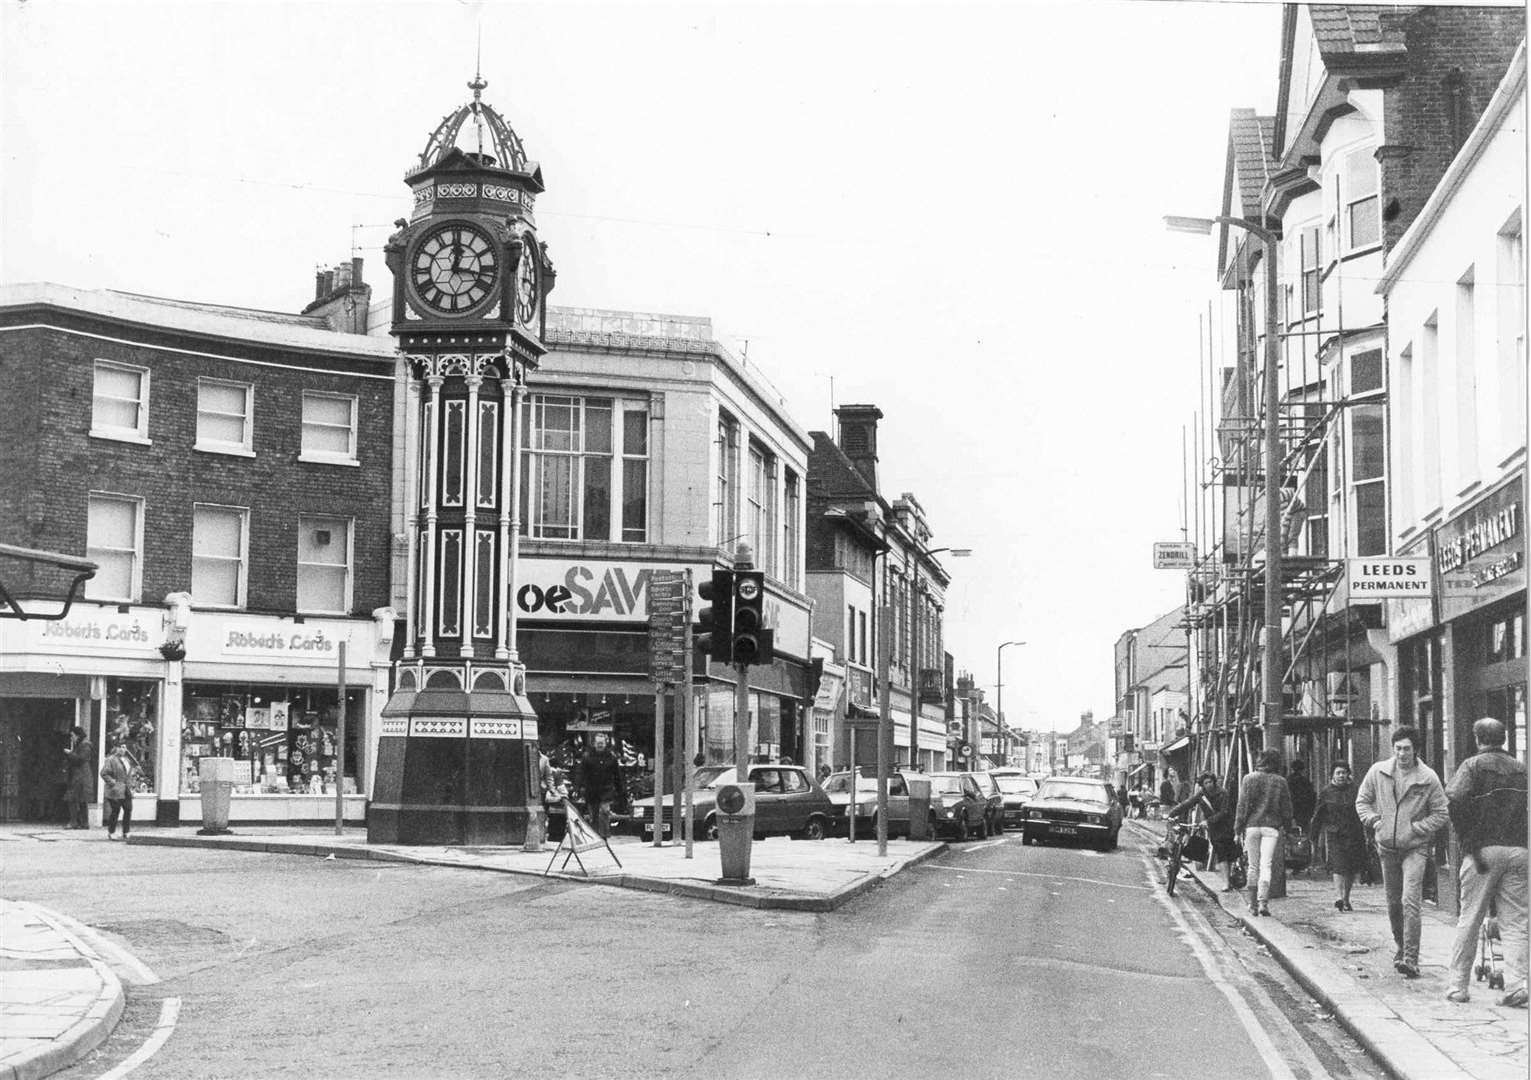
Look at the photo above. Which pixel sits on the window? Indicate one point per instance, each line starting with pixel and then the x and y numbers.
pixel 1366 371
pixel 850 632
pixel 324 565
pixel 223 416
pixel 1511 317
pixel 1363 224
pixel 329 428
pixel 1312 284
pixel 760 521
pixel 1466 381
pixel 120 402
pixel 115 543
pixel 728 477
pixel 219 545
pixel 1316 500
pixel 576 484
pixel 790 560
pixel 865 645
pixel 1368 447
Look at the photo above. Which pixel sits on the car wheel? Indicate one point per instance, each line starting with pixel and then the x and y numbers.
pixel 710 828
pixel 814 830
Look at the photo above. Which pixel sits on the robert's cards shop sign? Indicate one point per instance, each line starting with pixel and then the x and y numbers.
pixel 96 630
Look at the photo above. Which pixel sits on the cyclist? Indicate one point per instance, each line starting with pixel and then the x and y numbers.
pixel 1216 807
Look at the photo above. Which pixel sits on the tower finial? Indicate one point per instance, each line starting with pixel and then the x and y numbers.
pixel 477 86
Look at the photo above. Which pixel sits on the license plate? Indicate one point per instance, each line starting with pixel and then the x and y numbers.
pixel 648 829
pixel 1066 830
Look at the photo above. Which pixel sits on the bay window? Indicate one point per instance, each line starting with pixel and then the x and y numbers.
pixel 577 482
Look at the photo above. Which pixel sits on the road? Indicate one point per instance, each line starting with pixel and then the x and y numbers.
pixel 995 960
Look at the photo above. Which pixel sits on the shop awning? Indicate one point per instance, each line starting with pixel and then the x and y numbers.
pixel 1176 746
pixel 1137 769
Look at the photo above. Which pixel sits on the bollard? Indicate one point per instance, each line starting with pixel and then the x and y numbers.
pixel 736 832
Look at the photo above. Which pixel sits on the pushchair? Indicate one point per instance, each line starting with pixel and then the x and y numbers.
pixel 1490 965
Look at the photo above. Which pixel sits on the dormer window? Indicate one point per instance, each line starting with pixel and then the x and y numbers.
pixel 1363 226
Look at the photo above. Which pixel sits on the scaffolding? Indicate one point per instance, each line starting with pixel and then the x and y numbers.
pixel 1224 510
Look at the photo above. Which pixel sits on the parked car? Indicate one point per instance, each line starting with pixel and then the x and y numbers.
pixel 957 806
pixel 838 787
pixel 788 802
pixel 994 799
pixel 1073 808
pixel 1017 789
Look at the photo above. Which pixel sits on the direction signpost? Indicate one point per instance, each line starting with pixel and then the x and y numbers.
pixel 669 597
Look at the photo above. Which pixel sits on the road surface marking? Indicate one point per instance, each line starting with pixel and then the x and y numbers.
pixel 1027 873
pixel 1263 1043
pixel 169 1012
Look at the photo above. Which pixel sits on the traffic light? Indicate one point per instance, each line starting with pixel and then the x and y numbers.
pixel 715 641
pixel 751 644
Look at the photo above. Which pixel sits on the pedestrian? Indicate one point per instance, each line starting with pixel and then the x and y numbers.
pixel 1344 836
pixel 117 790
pixel 1167 792
pixel 1216 808
pixel 600 781
pixel 1121 796
pixel 1304 798
pixel 1136 798
pixel 1486 800
pixel 81 758
pixel 1264 813
pixel 1402 803
pixel 823 772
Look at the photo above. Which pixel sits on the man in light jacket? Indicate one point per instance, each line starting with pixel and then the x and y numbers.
pixel 1487 797
pixel 1402 803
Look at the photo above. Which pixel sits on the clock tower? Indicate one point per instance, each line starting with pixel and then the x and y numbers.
pixel 457 753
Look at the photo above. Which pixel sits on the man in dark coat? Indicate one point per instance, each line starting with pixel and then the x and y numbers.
pixel 1487 802
pixel 81 756
pixel 600 782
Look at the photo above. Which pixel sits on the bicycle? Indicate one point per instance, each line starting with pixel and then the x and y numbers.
pixel 1184 842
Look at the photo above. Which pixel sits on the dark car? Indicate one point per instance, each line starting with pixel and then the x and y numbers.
pixel 994 798
pixel 788 802
pixel 1017 789
pixel 1073 808
pixel 957 807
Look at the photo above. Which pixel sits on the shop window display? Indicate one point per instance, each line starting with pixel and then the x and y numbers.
pixel 131 711
pixel 283 739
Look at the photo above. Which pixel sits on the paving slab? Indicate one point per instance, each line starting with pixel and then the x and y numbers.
pixel 58 999
pixel 794 875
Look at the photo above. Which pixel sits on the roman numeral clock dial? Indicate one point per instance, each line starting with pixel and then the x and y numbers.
pixel 454 269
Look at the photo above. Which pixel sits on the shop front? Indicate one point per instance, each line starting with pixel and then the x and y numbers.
pixel 583 636
pixel 100 669
pixel 266 691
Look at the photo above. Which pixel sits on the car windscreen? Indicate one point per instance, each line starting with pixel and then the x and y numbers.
pixel 1080 790
pixel 1016 785
pixel 946 785
pixel 711 775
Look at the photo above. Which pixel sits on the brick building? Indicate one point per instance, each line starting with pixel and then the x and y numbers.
pixel 230 471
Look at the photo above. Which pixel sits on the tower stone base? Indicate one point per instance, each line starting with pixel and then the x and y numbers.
pixel 455 766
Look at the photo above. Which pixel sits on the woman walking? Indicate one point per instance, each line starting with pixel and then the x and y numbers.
pixel 1264 813
pixel 1344 838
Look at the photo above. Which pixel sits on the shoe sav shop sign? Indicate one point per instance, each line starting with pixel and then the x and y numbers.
pixel 560 590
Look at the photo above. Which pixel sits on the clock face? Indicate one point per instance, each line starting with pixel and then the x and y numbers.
pixel 526 282
pixel 454 269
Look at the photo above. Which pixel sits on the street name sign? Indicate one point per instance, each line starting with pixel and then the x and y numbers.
pixel 1174 555
pixel 1393 579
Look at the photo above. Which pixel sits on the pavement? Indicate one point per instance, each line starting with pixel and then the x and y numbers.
pixel 59 999
pixel 1345 961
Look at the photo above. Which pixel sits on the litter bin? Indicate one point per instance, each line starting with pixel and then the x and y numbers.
pixel 217 782
pixel 735 811
pixel 919 809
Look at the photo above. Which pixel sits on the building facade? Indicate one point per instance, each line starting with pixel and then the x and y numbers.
pixel 228 470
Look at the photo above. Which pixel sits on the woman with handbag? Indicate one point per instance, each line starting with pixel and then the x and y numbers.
pixel 1344 837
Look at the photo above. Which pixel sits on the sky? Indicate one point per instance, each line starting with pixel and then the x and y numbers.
pixel 952 211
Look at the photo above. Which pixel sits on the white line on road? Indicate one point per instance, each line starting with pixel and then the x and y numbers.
pixel 1028 873
pixel 979 847
pixel 1257 1034
pixel 169 1012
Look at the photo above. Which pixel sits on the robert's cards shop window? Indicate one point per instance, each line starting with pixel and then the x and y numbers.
pixel 283 739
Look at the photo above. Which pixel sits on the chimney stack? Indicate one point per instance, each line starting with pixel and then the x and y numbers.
pixel 857 436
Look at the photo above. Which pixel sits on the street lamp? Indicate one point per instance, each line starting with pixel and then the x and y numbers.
pixel 1270 671
pixel 999 683
pixel 916 690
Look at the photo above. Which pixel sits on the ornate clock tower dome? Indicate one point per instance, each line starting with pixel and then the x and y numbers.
pixel 457 754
